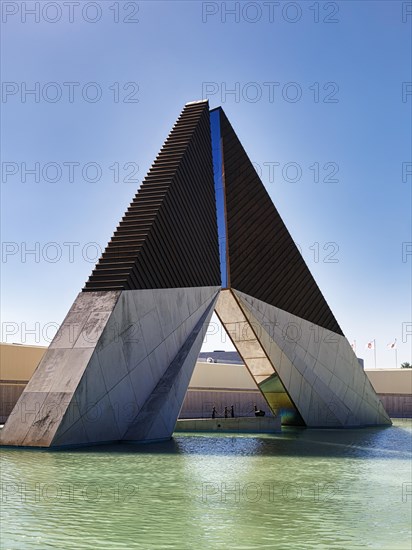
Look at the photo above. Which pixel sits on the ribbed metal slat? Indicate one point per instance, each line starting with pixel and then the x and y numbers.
pixel 167 238
pixel 264 261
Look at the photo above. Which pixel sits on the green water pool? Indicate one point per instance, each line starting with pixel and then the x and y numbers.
pixel 302 489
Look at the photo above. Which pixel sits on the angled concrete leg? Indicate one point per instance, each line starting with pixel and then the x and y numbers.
pixel 157 418
pixel 317 367
pixel 109 356
pixel 308 375
pixel 246 336
pixel 48 396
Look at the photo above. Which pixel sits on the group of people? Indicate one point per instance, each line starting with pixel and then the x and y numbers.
pixel 226 413
pixel 258 412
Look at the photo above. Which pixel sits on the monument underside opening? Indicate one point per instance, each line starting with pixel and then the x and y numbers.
pixel 200 235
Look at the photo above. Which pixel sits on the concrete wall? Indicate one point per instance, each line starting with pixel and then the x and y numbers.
pixel 221 376
pixel 220 385
pixel 394 387
pixel 17 364
pixel 212 384
pixel 391 381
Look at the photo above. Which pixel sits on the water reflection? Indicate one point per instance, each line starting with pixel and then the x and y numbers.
pixel 299 489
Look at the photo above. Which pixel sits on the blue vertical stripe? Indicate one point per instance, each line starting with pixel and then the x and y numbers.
pixel 219 191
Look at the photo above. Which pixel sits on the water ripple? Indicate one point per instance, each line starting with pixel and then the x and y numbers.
pixel 302 489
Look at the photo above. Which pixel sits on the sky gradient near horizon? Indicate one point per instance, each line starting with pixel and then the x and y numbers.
pixel 319 94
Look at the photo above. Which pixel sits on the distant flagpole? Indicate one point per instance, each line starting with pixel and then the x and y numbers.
pixel 394 347
pixel 372 345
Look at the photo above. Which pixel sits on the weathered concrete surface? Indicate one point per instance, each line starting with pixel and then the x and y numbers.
pixel 110 354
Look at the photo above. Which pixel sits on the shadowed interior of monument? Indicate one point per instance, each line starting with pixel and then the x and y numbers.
pixel 201 234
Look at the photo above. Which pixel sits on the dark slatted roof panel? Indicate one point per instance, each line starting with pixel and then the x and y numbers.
pixel 264 261
pixel 167 237
pixel 189 213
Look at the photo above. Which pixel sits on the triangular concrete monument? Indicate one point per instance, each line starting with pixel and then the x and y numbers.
pixel 201 234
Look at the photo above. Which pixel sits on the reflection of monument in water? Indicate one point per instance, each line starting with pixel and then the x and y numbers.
pixel 201 234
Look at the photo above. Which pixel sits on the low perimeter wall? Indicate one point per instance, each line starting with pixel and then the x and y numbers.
pixel 10 391
pixel 263 424
pixel 212 382
pixel 216 385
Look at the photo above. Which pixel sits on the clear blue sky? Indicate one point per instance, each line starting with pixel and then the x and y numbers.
pixel 307 93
